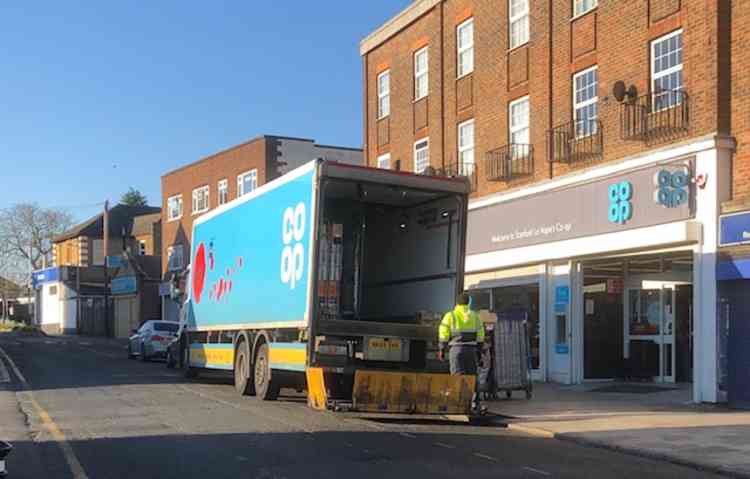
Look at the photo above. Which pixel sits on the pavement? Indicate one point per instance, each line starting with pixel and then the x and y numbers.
pixel 664 425
pixel 78 408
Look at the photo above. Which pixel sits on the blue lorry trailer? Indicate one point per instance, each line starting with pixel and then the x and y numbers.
pixel 331 279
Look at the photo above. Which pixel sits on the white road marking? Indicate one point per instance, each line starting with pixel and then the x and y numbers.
pixel 446 446
pixel 406 434
pixel 537 471
pixel 70 457
pixel 484 456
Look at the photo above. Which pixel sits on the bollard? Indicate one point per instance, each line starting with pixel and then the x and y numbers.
pixel 5 449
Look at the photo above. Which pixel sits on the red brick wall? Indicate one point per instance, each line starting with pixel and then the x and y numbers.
pixel 740 96
pixel 615 38
pixel 209 171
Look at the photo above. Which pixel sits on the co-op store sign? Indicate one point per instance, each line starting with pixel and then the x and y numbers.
pixel 635 199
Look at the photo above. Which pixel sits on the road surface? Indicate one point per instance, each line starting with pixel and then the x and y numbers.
pixel 76 407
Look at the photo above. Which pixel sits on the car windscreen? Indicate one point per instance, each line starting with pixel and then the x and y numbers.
pixel 172 328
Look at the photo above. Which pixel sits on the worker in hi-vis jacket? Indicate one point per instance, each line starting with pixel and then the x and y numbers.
pixel 462 332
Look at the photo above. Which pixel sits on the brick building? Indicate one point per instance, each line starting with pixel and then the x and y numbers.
pixel 199 187
pixel 604 141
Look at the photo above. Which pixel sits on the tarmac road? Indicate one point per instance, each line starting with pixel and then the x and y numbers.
pixel 76 407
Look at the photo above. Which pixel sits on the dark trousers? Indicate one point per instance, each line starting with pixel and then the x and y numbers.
pixel 464 360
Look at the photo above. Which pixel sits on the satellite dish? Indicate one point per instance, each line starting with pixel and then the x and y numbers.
pixel 632 93
pixel 618 90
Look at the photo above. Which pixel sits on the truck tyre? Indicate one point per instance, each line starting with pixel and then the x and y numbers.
pixel 265 387
pixel 189 372
pixel 242 380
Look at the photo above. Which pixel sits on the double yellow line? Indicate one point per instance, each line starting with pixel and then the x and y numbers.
pixel 67 450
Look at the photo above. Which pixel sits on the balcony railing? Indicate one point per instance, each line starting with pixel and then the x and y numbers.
pixel 579 140
pixel 468 170
pixel 509 162
pixel 655 116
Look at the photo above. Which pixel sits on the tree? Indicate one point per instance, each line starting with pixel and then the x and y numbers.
pixel 133 198
pixel 27 230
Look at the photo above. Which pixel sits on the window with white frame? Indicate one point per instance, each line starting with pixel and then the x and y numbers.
pixel 223 191
pixel 666 71
pixel 384 94
pixel 519 22
pixel 466 147
pixel 200 200
pixel 582 6
pixel 421 155
pixel 465 46
pixel 585 99
pixel 518 111
pixel 384 161
pixel 174 207
pixel 247 182
pixel 421 74
pixel 175 257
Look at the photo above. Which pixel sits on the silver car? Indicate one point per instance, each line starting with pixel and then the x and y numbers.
pixel 151 339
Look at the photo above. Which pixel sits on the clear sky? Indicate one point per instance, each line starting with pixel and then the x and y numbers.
pixel 97 96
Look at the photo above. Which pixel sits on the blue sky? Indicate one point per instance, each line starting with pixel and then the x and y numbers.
pixel 100 96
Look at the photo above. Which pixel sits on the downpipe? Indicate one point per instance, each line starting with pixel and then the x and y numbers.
pixel 5 449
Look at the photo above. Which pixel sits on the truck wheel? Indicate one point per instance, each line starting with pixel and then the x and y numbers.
pixel 189 372
pixel 242 382
pixel 265 387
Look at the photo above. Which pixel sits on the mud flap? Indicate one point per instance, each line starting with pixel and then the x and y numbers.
pixel 414 393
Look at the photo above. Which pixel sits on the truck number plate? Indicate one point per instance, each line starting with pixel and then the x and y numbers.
pixel 385 349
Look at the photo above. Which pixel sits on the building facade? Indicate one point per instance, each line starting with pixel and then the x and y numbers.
pixel 199 187
pixel 604 140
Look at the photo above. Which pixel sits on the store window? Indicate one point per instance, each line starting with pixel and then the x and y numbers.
pixel 384 161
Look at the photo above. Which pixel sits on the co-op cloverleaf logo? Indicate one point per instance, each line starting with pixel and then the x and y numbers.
pixel 293 254
pixel 672 188
pixel 620 205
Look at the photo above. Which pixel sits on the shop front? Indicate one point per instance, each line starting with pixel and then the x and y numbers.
pixel 615 266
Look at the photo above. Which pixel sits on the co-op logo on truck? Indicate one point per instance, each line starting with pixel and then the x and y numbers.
pixel 293 254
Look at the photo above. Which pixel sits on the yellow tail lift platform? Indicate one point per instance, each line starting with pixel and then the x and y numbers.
pixel 400 392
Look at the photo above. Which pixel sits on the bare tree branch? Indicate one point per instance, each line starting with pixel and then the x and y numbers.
pixel 27 230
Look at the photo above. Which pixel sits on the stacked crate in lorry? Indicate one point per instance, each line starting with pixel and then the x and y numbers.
pixel 331 263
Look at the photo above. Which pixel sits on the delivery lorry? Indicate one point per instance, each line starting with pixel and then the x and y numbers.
pixel 332 279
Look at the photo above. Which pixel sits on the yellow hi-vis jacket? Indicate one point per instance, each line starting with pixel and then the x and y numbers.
pixel 461 326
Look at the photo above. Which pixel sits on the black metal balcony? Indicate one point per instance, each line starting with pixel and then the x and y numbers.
pixel 655 116
pixel 579 140
pixel 468 170
pixel 509 162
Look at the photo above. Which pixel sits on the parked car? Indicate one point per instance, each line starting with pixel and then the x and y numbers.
pixel 151 339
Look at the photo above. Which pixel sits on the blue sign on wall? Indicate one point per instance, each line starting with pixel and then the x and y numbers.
pixel 620 206
pixel 562 349
pixel 562 294
pixel 124 285
pixel 734 229
pixel 49 275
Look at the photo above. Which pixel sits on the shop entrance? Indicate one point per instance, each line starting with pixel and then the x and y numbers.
pixel 638 318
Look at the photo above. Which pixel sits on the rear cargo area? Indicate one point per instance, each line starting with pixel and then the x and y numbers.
pixel 387 254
